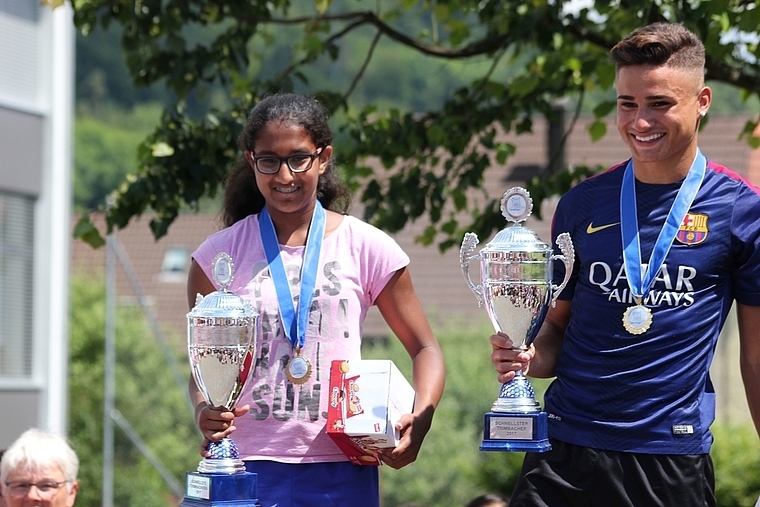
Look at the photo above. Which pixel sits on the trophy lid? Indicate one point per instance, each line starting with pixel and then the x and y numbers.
pixel 516 206
pixel 221 303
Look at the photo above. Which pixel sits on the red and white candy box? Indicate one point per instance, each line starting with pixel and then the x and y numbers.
pixel 367 398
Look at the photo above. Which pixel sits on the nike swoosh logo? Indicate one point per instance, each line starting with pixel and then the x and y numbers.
pixel 591 229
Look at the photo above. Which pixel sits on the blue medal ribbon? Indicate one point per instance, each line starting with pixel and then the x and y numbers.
pixel 295 328
pixel 640 283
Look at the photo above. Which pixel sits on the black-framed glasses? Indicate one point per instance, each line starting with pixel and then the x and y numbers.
pixel 296 163
pixel 46 488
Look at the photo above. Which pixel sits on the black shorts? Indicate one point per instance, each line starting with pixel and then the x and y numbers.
pixel 572 475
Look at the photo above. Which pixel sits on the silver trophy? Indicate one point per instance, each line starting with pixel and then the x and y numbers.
pixel 220 341
pixel 516 275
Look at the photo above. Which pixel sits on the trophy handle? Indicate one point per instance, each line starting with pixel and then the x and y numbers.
pixel 466 256
pixel 565 245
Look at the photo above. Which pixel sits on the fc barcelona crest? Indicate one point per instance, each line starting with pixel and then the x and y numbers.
pixel 693 229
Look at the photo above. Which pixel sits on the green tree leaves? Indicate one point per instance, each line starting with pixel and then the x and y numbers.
pixel 521 57
pixel 147 397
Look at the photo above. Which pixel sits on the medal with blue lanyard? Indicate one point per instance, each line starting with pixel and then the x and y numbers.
pixel 638 318
pixel 295 320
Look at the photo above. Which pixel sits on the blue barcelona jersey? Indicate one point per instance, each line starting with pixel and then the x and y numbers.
pixel 650 393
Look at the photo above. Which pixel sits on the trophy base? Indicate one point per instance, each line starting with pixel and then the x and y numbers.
pixel 221 490
pixel 515 432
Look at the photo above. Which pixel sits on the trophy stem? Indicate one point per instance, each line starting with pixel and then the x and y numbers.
pixel 224 459
pixel 516 396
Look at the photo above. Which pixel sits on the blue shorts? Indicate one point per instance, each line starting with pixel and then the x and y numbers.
pixel 337 484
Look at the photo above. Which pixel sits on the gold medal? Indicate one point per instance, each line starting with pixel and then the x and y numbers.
pixel 637 318
pixel 298 369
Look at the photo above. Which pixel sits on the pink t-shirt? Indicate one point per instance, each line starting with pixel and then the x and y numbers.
pixel 286 421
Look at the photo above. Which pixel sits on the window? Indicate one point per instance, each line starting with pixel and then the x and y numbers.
pixel 20 38
pixel 175 264
pixel 16 276
pixel 22 9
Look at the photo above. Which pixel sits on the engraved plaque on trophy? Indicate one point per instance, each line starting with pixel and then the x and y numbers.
pixel 516 271
pixel 221 338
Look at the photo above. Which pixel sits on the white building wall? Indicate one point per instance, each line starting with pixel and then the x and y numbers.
pixel 36 129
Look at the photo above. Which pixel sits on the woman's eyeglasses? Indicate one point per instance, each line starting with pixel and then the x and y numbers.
pixel 271 165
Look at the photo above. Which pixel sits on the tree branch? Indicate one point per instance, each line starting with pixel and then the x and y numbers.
pixel 484 46
pixel 359 75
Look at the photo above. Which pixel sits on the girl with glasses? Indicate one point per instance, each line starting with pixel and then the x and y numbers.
pixel 284 201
